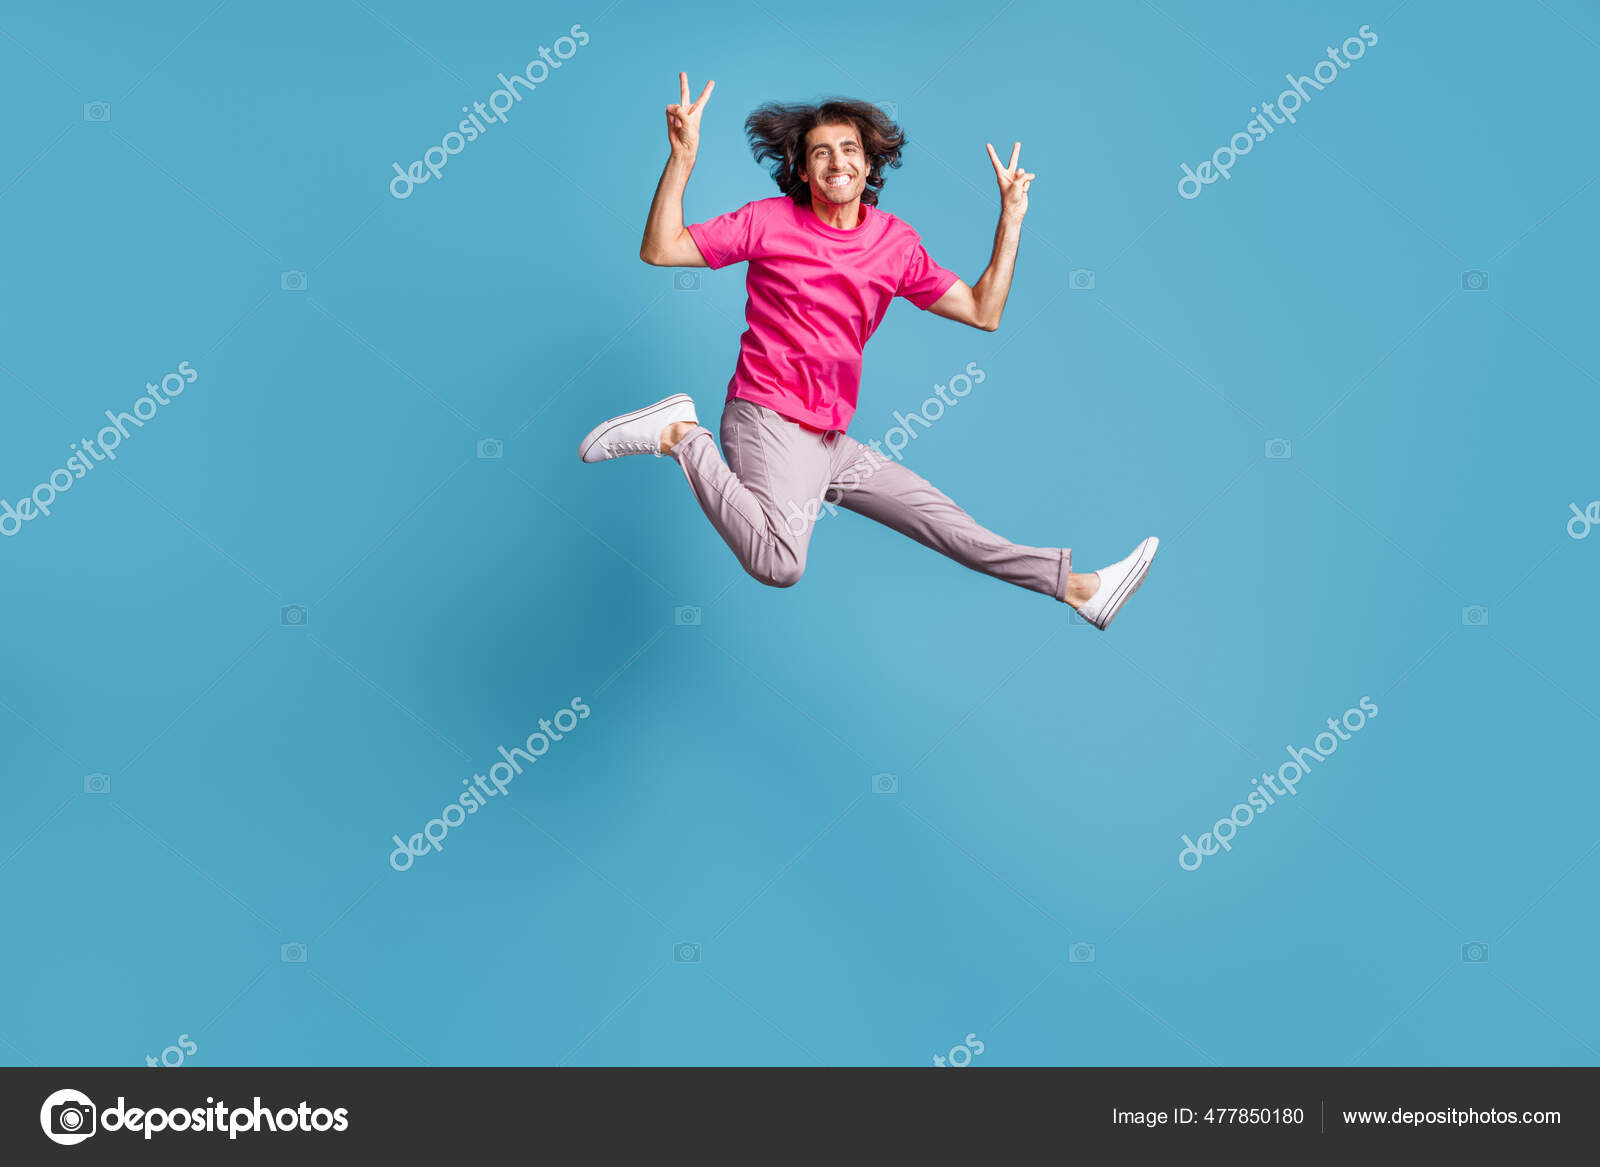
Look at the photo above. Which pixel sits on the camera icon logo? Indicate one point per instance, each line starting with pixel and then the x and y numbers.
pixel 97 111
pixel 1475 616
pixel 1081 953
pixel 1080 280
pixel 293 615
pixel 885 784
pixel 1474 280
pixel 1475 952
pixel 292 281
pixel 1279 448
pixel 97 784
pixel 686 281
pixel 68 1117
pixel 490 448
pixel 686 616
pixel 686 953
pixel 292 953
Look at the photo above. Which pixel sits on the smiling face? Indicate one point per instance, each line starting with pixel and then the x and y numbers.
pixel 835 164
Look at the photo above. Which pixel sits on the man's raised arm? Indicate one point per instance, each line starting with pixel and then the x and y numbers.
pixel 667 242
pixel 982 304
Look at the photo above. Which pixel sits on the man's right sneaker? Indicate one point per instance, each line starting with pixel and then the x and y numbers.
pixel 638 432
pixel 1118 583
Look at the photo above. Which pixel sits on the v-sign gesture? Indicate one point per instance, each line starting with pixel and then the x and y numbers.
pixel 1014 182
pixel 683 119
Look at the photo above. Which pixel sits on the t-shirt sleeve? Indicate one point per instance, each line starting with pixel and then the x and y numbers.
pixel 924 281
pixel 727 238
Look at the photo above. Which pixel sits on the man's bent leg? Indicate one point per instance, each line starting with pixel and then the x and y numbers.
pixel 764 499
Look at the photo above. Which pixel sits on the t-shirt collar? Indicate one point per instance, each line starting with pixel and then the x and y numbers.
pixel 805 212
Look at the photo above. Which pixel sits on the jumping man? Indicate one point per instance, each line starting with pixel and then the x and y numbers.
pixel 824 263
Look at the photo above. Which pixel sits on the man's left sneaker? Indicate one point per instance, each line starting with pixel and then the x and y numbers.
pixel 1118 583
pixel 638 432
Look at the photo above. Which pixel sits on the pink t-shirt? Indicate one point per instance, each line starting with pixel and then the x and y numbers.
pixel 816 293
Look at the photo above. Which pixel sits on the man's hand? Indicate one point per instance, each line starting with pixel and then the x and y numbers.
pixel 667 242
pixel 683 119
pixel 983 303
pixel 1014 182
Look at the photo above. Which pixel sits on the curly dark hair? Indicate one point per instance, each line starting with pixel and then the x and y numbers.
pixel 777 134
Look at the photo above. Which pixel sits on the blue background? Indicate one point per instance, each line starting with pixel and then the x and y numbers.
pixel 720 794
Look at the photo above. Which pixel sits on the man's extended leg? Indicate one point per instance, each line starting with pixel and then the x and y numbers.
pixel 882 489
pixel 887 492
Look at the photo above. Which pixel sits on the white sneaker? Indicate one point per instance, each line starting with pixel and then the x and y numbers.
pixel 638 432
pixel 1118 583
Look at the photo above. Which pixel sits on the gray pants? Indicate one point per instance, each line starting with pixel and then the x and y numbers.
pixel 779 476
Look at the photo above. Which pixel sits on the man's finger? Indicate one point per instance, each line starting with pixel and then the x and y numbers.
pixel 1016 151
pixel 994 158
pixel 683 85
pixel 705 94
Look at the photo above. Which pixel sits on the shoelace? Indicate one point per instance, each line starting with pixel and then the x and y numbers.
pixel 615 448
